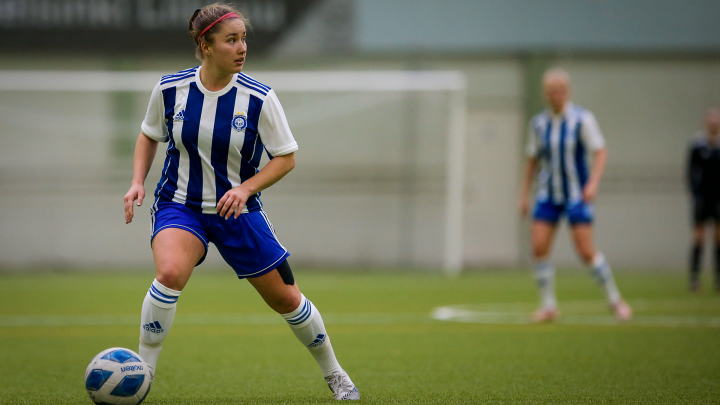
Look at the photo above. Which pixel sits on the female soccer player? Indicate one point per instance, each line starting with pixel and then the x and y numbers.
pixel 217 121
pixel 558 140
pixel 704 182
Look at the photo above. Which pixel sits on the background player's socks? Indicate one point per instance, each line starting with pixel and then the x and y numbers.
pixel 603 274
pixel 545 276
pixel 308 326
pixel 695 258
pixel 158 312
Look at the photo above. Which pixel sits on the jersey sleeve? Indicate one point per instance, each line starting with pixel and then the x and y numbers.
pixel 274 129
pixel 531 150
pixel 154 126
pixel 590 133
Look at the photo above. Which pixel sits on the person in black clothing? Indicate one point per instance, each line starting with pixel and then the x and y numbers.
pixel 704 180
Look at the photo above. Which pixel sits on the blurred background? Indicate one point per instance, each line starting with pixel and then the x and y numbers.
pixel 371 184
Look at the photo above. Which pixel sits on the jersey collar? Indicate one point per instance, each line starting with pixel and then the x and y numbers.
pixel 568 107
pixel 218 93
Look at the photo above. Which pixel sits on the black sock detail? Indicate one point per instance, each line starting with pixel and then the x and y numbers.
pixel 695 261
pixel 286 273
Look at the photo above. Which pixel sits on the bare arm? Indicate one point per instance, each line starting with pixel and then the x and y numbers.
pixel 145 149
pixel 234 200
pixel 596 173
pixel 530 167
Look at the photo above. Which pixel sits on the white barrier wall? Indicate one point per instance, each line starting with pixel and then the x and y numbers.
pixel 62 178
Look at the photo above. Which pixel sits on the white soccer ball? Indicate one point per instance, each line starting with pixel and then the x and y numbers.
pixel 117 376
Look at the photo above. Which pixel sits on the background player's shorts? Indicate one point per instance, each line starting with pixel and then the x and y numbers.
pixel 248 244
pixel 577 213
pixel 705 209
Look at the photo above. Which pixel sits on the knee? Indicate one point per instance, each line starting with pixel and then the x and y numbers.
pixel 286 303
pixel 170 277
pixel 540 250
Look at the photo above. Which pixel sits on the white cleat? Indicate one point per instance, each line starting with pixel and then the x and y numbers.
pixel 342 386
pixel 622 311
pixel 545 315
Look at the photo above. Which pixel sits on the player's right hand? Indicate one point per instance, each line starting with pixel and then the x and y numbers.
pixel 136 192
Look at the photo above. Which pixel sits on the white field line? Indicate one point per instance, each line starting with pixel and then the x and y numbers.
pixel 676 313
pixel 205 319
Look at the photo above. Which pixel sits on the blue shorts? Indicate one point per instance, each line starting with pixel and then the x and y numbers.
pixel 248 244
pixel 577 213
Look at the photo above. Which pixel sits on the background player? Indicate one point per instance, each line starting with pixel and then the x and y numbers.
pixel 704 182
pixel 558 140
pixel 217 121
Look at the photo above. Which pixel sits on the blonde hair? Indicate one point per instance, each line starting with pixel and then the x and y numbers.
pixel 556 74
pixel 203 17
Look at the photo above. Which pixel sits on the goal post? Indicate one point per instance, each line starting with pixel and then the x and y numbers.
pixel 452 83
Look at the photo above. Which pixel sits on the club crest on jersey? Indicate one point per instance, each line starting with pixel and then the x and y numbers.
pixel 239 122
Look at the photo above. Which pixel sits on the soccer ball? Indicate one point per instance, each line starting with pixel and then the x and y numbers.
pixel 117 376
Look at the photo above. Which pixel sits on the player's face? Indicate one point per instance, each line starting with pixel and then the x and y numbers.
pixel 228 49
pixel 557 93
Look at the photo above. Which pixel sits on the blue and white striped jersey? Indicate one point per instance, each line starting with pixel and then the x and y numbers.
pixel 560 143
pixel 215 138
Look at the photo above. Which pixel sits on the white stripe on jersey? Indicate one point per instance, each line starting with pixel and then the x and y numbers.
pixel 205 137
pixel 234 159
pixel 556 169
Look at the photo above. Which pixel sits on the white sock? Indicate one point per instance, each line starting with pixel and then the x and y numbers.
pixel 307 325
pixel 603 274
pixel 545 276
pixel 158 312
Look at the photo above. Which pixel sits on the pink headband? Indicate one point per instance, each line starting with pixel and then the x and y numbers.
pixel 228 15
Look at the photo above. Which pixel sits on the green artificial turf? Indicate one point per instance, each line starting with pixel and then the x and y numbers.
pixel 227 347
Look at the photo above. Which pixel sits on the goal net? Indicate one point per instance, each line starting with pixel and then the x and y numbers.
pixel 378 181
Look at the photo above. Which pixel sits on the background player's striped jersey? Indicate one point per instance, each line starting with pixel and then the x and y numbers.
pixel 560 143
pixel 215 139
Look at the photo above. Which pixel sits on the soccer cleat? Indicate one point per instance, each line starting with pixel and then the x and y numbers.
pixel 545 315
pixel 622 310
pixel 342 387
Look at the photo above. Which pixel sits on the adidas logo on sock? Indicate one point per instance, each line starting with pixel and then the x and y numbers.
pixel 320 339
pixel 180 116
pixel 155 327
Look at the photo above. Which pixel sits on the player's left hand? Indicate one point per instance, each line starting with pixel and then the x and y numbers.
pixel 590 192
pixel 232 202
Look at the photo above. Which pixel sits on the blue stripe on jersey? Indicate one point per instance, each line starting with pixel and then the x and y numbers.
pixel 580 162
pixel 251 80
pixel 221 141
pixel 168 182
pixel 190 130
pixel 180 73
pixel 563 164
pixel 249 148
pixel 175 79
pixel 247 84
pixel 548 156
